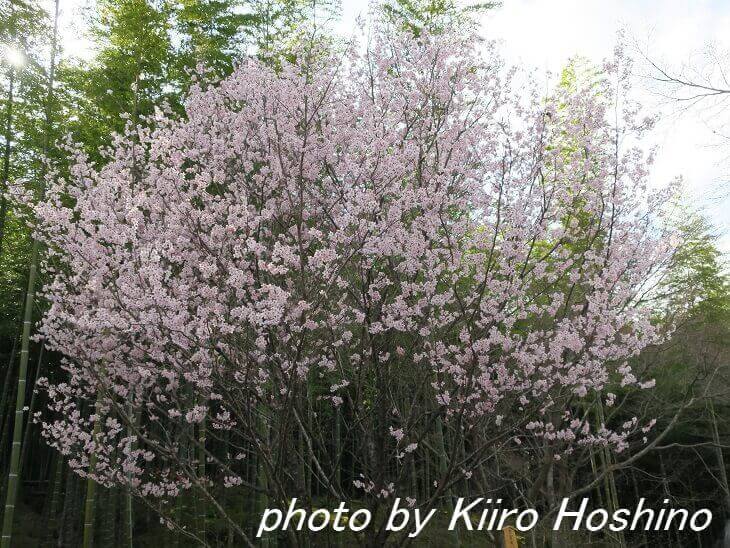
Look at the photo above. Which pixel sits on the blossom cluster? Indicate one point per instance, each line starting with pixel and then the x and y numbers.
pixel 398 219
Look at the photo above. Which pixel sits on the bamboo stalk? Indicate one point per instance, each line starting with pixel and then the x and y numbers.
pixel 6 155
pixel 31 408
pixel 13 475
pixel 6 388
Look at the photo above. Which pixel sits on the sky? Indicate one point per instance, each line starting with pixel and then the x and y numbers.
pixel 542 35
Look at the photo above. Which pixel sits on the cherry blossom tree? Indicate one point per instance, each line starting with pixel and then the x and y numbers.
pixel 396 244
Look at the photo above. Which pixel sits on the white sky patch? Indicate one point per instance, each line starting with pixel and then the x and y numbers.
pixel 73 27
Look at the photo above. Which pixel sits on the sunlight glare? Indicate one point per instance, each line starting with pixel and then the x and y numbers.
pixel 14 56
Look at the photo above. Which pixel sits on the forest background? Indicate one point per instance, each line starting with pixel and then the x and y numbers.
pixel 143 53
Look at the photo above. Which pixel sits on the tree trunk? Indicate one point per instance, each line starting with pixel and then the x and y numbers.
pixel 181 503
pixel 268 540
pixel 6 156
pixel 201 505
pixel 69 533
pixel 128 510
pixel 720 456
pixel 637 496
pixel 667 492
pixel 610 477
pixel 443 467
pixel 90 501
pixel 55 500
pixel 108 505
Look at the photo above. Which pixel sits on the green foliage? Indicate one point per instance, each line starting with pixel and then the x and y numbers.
pixel 23 28
pixel 278 26
pixel 212 33
pixel 13 273
pixel 129 74
pixel 433 15
pixel 697 279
